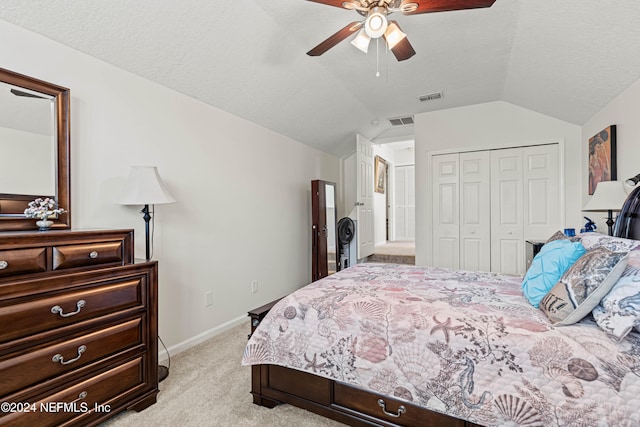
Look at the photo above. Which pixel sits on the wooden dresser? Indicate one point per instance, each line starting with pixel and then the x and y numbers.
pixel 78 328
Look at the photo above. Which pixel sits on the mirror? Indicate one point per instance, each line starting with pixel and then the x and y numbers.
pixel 324 231
pixel 34 142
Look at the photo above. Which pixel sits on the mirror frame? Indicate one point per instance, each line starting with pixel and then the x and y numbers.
pixel 63 162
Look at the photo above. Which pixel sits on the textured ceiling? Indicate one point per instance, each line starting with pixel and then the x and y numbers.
pixel 566 59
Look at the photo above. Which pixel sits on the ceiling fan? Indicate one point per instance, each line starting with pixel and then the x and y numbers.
pixel 376 24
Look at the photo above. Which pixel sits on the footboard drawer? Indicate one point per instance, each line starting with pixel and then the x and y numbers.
pixel 378 407
pixel 301 384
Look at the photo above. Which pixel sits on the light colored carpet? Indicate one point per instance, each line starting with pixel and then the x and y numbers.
pixel 207 386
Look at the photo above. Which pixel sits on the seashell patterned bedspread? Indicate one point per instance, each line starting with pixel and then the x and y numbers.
pixel 464 343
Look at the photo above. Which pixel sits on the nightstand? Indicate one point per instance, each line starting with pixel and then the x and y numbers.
pixel 532 247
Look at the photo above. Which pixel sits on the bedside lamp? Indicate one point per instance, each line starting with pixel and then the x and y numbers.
pixel 145 187
pixel 608 197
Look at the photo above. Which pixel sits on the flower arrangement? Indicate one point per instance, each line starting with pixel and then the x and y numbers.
pixel 42 209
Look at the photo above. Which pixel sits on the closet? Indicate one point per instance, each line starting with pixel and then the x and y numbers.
pixel 487 203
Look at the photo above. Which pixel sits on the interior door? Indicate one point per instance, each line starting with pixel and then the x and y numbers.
pixel 364 197
pixel 323 229
pixel 446 211
pixel 475 211
pixel 405 204
pixel 541 191
pixel 507 240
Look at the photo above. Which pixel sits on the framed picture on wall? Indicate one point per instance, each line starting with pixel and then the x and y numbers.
pixel 602 157
pixel 381 174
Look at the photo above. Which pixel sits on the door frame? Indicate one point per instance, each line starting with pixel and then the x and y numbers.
pixel 429 190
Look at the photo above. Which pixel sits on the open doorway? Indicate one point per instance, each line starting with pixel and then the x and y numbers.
pixel 394 210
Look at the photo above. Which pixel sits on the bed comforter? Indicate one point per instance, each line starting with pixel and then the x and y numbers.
pixel 467 344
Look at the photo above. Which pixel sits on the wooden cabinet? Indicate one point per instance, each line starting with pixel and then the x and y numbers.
pixel 78 341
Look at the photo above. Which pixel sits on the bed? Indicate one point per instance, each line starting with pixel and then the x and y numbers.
pixel 386 344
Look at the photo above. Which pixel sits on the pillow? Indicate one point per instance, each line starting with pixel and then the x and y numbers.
pixel 558 235
pixel 615 244
pixel 548 266
pixel 583 285
pixel 619 310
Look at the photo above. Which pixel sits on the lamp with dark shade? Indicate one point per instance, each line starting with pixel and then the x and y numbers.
pixel 608 197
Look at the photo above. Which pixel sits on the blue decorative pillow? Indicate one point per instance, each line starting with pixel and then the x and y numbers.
pixel 548 266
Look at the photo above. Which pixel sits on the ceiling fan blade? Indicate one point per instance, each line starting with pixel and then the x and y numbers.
pixel 17 92
pixel 336 3
pixel 428 6
pixel 403 50
pixel 335 39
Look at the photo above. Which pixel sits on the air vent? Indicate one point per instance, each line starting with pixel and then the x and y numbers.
pixel 430 96
pixel 401 121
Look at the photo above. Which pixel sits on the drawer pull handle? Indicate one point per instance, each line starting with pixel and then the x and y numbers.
pixel 59 358
pixel 58 310
pixel 401 409
pixel 93 254
pixel 3 265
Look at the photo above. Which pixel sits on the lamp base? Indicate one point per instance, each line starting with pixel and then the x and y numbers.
pixel 610 222
pixel 163 373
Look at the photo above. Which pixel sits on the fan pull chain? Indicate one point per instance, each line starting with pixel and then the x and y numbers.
pixel 378 57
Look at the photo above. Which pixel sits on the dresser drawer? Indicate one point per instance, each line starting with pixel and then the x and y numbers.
pixel 84 400
pixel 52 361
pixel 23 318
pixel 351 399
pixel 72 256
pixel 22 261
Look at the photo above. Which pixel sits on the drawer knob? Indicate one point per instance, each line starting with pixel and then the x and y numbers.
pixel 401 409
pixel 59 310
pixel 3 265
pixel 58 358
pixel 93 254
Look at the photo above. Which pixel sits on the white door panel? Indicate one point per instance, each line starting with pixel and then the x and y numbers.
pixel 364 197
pixel 405 207
pixel 541 191
pixel 475 211
pixel 446 211
pixel 507 234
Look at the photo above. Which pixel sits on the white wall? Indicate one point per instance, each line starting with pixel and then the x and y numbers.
pixel 243 192
pixel 494 124
pixel 622 112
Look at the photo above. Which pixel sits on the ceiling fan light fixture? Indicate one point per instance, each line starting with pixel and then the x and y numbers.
pixel 362 41
pixel 376 23
pixel 393 35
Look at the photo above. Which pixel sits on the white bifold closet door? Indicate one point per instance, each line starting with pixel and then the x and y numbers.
pixel 487 203
pixel 405 203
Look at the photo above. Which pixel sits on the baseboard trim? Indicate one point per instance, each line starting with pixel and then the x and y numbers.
pixel 202 337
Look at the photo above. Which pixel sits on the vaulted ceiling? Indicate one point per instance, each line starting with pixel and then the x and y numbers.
pixel 563 58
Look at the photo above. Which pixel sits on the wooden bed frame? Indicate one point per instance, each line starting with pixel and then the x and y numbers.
pixel 273 385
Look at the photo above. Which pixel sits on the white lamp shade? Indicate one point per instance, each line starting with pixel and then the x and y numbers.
pixel 609 196
pixel 362 41
pixel 144 187
pixel 394 35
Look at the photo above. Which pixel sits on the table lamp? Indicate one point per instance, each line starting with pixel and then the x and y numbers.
pixel 608 197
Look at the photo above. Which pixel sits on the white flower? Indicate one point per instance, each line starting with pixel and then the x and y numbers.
pixel 42 209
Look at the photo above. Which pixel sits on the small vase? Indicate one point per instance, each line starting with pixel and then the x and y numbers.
pixel 44 224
